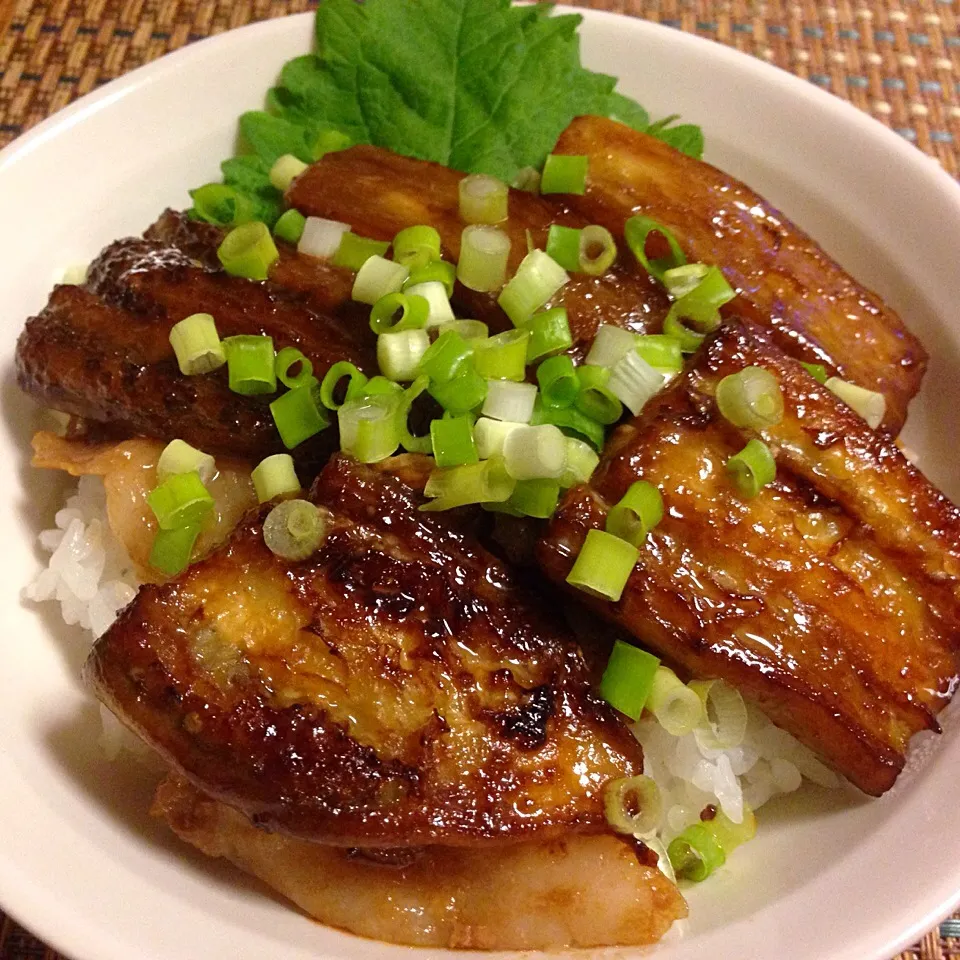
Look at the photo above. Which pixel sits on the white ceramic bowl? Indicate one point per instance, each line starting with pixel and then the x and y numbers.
pixel 80 861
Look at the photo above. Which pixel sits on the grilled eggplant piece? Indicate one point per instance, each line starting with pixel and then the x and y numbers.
pixel 317 284
pixel 397 688
pixel 102 351
pixel 380 193
pixel 832 598
pixel 786 282
pixel 576 892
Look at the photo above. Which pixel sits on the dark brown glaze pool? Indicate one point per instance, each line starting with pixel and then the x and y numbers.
pixel 832 598
pixel 380 193
pixel 397 688
pixel 786 281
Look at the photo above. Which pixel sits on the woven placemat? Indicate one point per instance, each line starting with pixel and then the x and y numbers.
pixel 898 60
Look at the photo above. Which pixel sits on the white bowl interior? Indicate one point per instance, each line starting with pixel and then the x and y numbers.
pixel 81 863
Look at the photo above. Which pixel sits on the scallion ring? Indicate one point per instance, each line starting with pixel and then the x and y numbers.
pixel 638 230
pixel 750 398
pixel 752 468
pixel 637 512
pixel 294 530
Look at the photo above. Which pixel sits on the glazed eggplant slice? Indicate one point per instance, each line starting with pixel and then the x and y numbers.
pixel 380 193
pixel 786 282
pixel 582 891
pixel 102 351
pixel 832 598
pixel 397 688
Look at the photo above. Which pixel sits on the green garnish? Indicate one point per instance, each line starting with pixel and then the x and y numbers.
pixel 406 76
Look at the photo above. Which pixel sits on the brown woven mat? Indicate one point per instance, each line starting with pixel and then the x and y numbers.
pixel 898 60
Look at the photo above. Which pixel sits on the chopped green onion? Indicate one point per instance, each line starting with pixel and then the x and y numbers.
pixel 484 252
pixel 274 476
pixel 172 549
pixel 750 398
pixel 676 707
pixel 558 381
pixel 549 334
pixel 179 457
pixel 696 853
pixel 285 170
pixel 535 498
pixel 610 345
pixel 638 511
pixel 752 468
pixel 503 357
pixel 637 231
pixel 397 312
pixel 452 441
pixel 490 436
pixel 286 360
pixel 369 428
pixel 628 678
pixel 725 715
pixel 680 281
pixel 594 398
pixel 597 250
pixel 538 278
pixel 445 357
pixel 399 355
pixel 704 846
pixel 603 565
pixel 582 460
pixel 416 246
pixel 180 501
pixel 248 251
pixel 468 329
pixel 688 340
pixel 570 420
pixel 376 387
pixel 527 179
pixel 633 382
pixel 197 344
pixel 661 352
pixel 299 414
pixel 869 404
pixel 75 275
pixel 535 452
pixel 564 174
pixel 378 277
pixel 729 834
pixel 438 301
pixel 509 401
pixel 221 205
pixel 633 805
pixel 701 306
pixel 484 482
pixel 437 271
pixel 354 251
pixel 463 394
pixel 328 386
pixel 563 244
pixel 250 364
pixel 816 370
pixel 321 238
pixel 294 530
pixel 290 226
pixel 409 442
pixel 329 141
pixel 483 199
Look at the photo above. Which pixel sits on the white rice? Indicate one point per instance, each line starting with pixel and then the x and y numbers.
pixel 89 571
pixel 691 777
pixel 90 574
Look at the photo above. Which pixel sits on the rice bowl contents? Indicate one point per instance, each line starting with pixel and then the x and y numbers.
pixel 709 787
